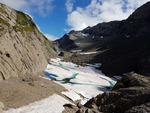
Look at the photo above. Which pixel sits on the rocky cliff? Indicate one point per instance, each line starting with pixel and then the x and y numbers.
pixel 23 49
pixel 130 95
pixel 124 45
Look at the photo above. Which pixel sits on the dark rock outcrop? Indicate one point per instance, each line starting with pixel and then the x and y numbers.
pixel 23 49
pixel 130 94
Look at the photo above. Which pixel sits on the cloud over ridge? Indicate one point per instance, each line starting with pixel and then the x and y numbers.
pixel 102 11
pixel 43 7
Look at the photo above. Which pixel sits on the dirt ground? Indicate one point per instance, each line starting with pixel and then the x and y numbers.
pixel 17 92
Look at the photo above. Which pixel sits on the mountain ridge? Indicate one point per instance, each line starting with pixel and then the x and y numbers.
pixel 118 42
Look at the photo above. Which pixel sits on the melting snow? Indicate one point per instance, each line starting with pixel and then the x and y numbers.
pixel 75 51
pixel 52 104
pixel 83 34
pixel 87 53
pixel 82 83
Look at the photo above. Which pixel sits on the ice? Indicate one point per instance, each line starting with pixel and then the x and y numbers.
pixel 82 83
pixel 52 104
pixel 72 95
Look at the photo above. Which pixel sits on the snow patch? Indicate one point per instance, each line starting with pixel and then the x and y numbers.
pixel 88 53
pixel 83 34
pixel 72 95
pixel 75 51
pixel 102 37
pixel 127 36
pixel 52 104
pixel 82 83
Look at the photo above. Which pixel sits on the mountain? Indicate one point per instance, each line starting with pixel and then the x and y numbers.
pixel 23 48
pixel 123 45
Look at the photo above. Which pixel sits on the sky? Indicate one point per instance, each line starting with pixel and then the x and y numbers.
pixel 54 18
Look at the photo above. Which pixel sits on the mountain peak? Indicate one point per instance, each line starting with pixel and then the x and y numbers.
pixel 141 13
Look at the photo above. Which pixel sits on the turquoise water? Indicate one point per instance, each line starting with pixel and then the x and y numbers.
pixel 51 76
pixel 111 84
pixel 68 79
pixel 76 83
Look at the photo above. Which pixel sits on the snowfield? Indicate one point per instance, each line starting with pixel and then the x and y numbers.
pixel 52 104
pixel 82 84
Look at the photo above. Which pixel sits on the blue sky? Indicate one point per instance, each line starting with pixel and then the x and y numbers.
pixel 57 17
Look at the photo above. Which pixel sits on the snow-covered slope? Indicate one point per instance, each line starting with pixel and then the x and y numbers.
pixel 82 83
pixel 52 104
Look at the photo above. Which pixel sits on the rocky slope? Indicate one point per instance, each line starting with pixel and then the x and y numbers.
pixel 124 45
pixel 23 49
pixel 130 95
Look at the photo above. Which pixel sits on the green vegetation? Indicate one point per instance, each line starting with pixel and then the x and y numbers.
pixel 1 29
pixel 4 22
pixel 2 8
pixel 21 18
pixel 45 42
pixel 139 76
pixel 65 52
pixel 24 22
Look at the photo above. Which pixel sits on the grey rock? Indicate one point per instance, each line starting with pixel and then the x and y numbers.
pixel 132 96
pixel 23 49
pixel 144 108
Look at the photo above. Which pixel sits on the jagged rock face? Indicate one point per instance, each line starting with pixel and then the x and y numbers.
pixel 124 44
pixel 23 49
pixel 66 43
pixel 130 94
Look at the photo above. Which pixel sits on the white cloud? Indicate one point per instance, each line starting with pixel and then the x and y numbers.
pixel 107 10
pixel 69 5
pixel 43 7
pixel 16 4
pixel 50 37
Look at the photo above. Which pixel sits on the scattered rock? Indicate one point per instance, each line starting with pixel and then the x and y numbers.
pixel 68 105
pixel 31 83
